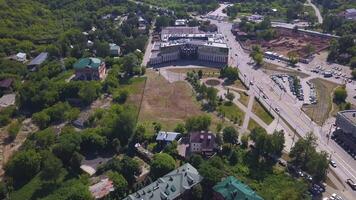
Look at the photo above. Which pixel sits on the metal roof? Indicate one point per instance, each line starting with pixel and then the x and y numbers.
pixel 170 186
pixel 167 136
pixel 233 189
pixel 39 59
pixel 93 63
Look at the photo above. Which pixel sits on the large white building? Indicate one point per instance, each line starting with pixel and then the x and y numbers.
pixel 189 43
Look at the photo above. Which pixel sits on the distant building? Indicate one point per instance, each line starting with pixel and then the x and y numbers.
pixel 102 188
pixel 190 43
pixel 5 85
pixel 202 142
pixel 346 121
pixel 115 50
pixel 255 18
pixel 233 189
pixel 181 22
pixel 7 100
pixel 349 14
pixel 174 185
pixel 21 57
pixel 166 136
pixel 36 62
pixel 89 69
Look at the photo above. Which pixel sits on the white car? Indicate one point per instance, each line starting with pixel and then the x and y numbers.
pixel 333 163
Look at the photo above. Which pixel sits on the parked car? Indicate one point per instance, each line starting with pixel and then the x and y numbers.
pixel 351 183
pixel 333 163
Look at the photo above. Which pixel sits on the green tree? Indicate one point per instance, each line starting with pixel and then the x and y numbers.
pixel 198 123
pixel 51 167
pixel 230 135
pixel 23 165
pixel 293 57
pixel 13 129
pixel 197 192
pixel 180 128
pixel 129 169
pixel 340 95
pixel 244 141
pixel 196 160
pixel 157 126
pixel 89 92
pixel 120 184
pixel 257 55
pixel 161 164
pixel 231 73
pixel 230 96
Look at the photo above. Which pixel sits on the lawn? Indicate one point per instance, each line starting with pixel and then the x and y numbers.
pixel 321 111
pixel 244 98
pixel 207 71
pixel 232 112
pixel 168 103
pixel 252 124
pixel 262 112
pixel 238 84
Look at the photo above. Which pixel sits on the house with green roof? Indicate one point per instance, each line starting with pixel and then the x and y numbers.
pixel 174 185
pixel 89 69
pixel 232 189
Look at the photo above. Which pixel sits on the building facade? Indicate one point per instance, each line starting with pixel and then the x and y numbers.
pixel 202 143
pixel 189 43
pixel 89 69
pixel 346 121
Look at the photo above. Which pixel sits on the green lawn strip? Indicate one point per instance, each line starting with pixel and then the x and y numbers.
pixel 232 112
pixel 252 124
pixel 262 112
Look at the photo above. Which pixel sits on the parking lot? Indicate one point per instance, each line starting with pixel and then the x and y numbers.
pixel 334 71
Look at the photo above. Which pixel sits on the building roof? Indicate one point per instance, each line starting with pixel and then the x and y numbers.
pixel 102 188
pixel 233 189
pixel 21 55
pixel 114 47
pixel 167 136
pixel 170 186
pixel 350 11
pixel 350 115
pixel 92 63
pixel 206 139
pixel 39 59
pixel 6 83
pixel 7 100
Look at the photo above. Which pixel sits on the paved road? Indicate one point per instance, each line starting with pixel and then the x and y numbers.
pixel 286 104
pixel 317 12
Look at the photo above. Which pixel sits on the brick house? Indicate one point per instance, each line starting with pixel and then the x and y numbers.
pixel 89 69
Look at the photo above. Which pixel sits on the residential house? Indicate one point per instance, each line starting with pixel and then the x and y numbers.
pixel 233 189
pixel 174 185
pixel 202 142
pixel 5 85
pixel 349 14
pixel 142 23
pixel 7 100
pixel 89 69
pixel 101 188
pixel 115 50
pixel 21 57
pixel 181 22
pixel 167 136
pixel 37 61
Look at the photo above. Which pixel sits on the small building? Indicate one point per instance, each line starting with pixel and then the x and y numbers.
pixel 174 185
pixel 255 18
pixel 21 57
pixel 102 188
pixel 7 100
pixel 346 121
pixel 233 189
pixel 180 22
pixel 166 136
pixel 5 85
pixel 202 142
pixel 349 14
pixel 115 50
pixel 37 61
pixel 89 69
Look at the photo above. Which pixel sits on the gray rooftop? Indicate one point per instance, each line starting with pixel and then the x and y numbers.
pixel 39 59
pixel 170 186
pixel 167 136
pixel 350 115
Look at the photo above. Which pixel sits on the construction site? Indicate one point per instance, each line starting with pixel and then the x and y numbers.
pixel 303 43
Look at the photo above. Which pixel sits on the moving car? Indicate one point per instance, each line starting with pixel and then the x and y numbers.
pixel 333 163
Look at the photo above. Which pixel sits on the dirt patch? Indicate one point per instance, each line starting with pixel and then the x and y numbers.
pixel 212 82
pixel 270 69
pixel 320 111
pixel 168 103
pixel 291 41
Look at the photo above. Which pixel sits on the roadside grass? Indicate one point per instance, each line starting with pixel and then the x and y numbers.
pixel 207 71
pixel 232 112
pixel 320 111
pixel 262 112
pixel 270 69
pixel 169 104
pixel 252 124
pixel 244 98
pixel 238 84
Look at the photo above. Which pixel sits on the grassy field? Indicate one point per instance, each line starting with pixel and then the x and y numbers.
pixel 232 112
pixel 168 103
pixel 270 68
pixel 244 98
pixel 207 71
pixel 262 112
pixel 252 124
pixel 321 111
pixel 238 84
